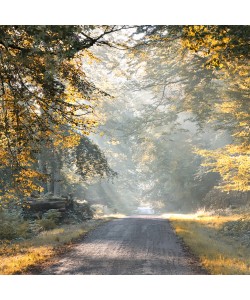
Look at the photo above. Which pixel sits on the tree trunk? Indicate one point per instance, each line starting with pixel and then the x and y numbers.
pixel 42 167
pixel 50 182
pixel 57 173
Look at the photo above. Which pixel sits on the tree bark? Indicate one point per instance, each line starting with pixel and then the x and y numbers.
pixel 57 176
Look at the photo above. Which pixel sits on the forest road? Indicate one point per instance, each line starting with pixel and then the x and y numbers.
pixel 137 245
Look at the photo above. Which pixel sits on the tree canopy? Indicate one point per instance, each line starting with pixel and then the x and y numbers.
pixel 203 71
pixel 139 85
pixel 44 93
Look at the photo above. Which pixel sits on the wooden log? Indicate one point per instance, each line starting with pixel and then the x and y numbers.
pixel 44 205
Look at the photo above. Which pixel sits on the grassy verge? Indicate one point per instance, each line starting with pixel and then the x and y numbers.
pixel 221 242
pixel 17 257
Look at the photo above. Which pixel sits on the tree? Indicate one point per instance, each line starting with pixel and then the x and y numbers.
pixel 44 91
pixel 203 70
pixel 225 50
pixel 91 162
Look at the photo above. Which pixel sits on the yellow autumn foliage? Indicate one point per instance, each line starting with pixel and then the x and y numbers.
pixel 232 163
pixel 45 100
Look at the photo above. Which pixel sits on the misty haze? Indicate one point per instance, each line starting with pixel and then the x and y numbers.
pixel 124 150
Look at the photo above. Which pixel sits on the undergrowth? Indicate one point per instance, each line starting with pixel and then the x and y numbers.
pixel 16 256
pixel 220 241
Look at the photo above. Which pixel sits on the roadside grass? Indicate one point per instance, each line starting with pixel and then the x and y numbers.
pixel 16 257
pixel 222 249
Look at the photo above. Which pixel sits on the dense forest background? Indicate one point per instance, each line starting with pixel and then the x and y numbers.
pixel 122 116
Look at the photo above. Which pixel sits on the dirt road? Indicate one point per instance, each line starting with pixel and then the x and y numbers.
pixel 134 245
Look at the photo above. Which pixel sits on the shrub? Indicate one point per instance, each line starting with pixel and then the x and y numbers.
pixel 83 209
pixel 7 231
pixel 12 225
pixel 53 215
pixel 23 229
pixel 46 224
pixel 50 219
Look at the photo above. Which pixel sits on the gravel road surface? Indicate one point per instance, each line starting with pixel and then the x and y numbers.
pixel 138 245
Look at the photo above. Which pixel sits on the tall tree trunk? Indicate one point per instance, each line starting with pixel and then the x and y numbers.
pixel 57 174
pixel 42 167
pixel 50 182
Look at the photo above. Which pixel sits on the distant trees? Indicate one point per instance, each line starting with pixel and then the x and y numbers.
pixel 204 71
pixel 48 103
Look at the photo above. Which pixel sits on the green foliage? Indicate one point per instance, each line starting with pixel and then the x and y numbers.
pixel 53 214
pixel 46 224
pixel 91 161
pixel 12 225
pixel 82 209
pixel 50 219
pixel 7 231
